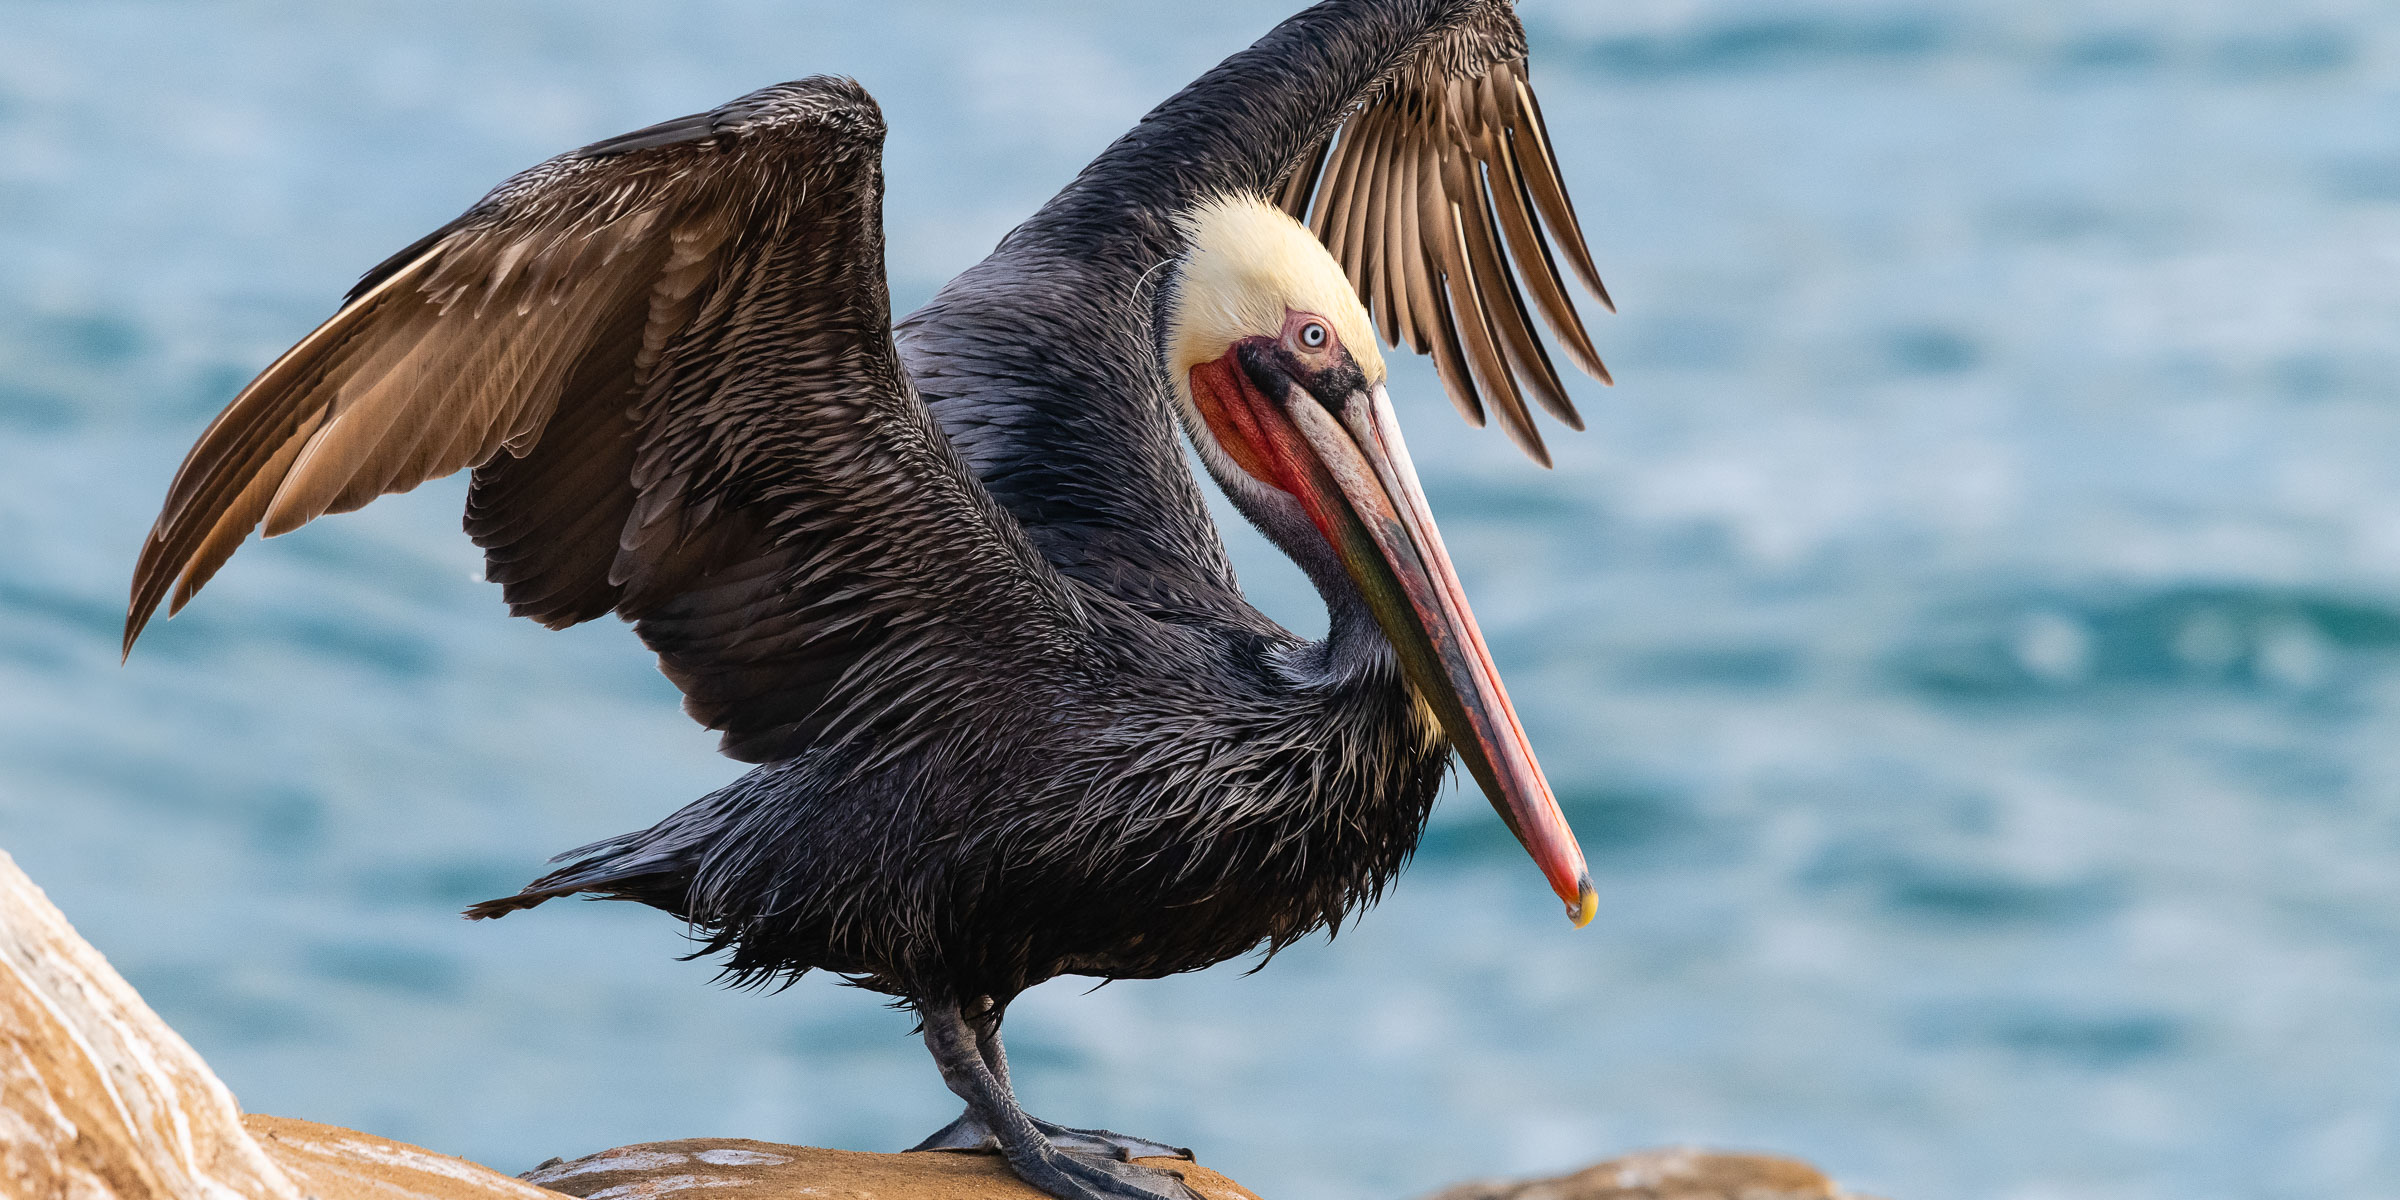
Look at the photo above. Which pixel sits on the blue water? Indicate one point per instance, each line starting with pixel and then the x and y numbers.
pixel 1968 640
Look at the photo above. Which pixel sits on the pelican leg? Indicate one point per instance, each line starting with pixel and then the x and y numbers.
pixel 1058 1170
pixel 969 1132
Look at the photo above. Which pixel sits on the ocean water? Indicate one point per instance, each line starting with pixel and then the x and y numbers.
pixel 1968 639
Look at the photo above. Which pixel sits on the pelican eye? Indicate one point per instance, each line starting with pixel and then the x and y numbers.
pixel 1312 335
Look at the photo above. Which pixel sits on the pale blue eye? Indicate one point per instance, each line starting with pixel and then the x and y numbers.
pixel 1312 335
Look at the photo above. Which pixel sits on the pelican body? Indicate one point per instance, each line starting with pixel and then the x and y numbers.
pixel 950 584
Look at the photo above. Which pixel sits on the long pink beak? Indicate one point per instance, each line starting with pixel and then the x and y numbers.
pixel 1354 477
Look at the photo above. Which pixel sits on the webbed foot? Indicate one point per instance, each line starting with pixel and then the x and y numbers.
pixel 969 1132
pixel 1072 1176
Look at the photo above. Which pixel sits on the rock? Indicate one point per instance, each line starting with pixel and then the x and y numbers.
pixel 98 1098
pixel 1680 1174
pixel 734 1169
pixel 333 1163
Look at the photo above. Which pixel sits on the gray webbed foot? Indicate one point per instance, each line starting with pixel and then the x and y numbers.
pixel 1084 1177
pixel 970 1133
pixel 1123 1147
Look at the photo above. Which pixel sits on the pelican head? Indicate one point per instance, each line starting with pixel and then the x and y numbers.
pixel 1281 387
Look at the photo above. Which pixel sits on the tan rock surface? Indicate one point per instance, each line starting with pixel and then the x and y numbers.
pixel 333 1163
pixel 732 1169
pixel 98 1098
pixel 1680 1174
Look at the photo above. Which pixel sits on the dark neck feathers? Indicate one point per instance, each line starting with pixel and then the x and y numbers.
pixel 1241 126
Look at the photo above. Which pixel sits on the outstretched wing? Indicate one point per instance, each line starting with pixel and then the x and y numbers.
pixel 1414 196
pixel 1410 121
pixel 668 358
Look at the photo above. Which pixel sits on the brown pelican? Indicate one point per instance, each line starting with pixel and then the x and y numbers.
pixel 950 584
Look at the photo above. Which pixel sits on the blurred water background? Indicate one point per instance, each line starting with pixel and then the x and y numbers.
pixel 1968 641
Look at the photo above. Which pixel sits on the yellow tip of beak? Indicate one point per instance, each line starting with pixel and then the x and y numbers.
pixel 1586 906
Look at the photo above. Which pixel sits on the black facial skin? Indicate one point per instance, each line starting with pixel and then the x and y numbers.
pixel 1329 374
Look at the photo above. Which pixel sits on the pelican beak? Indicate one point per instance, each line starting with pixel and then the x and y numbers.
pixel 1342 457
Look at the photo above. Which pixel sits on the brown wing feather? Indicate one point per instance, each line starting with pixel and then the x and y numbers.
pixel 1536 269
pixel 1434 242
pixel 1467 301
pixel 668 359
pixel 548 515
pixel 1429 191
